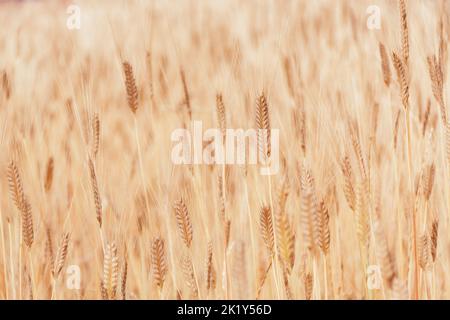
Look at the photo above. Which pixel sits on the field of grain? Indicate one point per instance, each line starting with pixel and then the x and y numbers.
pixel 93 207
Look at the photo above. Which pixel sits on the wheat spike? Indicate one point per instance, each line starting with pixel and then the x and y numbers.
pixel 287 288
pixel 324 234
pixel 61 255
pixel 184 222
pixel 266 226
pixel 110 270
pixel 221 115
pixel 188 271
pixel 426 118
pixel 424 249
pixel 159 262
pixel 96 192
pixel 96 135
pixel 263 126
pixel 359 154
pixel 385 65
pixel 428 180
pixel 434 238
pixel 437 85
pixel 363 224
pixel 227 231
pixel 222 204
pixel 308 285
pixel 123 285
pixel 349 191
pixel 15 186
pixel 49 174
pixel 404 31
pixel 27 224
pixel 210 271
pixel 130 84
pixel 49 254
pixel 6 85
pixel 384 255
pixel 285 241
pixel 309 217
pixel 402 79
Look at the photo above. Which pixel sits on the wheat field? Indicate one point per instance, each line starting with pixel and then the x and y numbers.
pixel 93 207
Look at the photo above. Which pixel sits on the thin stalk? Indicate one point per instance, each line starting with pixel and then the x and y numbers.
pixel 414 228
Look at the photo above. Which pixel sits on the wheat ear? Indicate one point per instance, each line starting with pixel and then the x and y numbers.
pixel 130 84
pixel 110 271
pixel 183 222
pixel 159 262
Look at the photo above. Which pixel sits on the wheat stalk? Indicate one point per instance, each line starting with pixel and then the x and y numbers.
pixel 187 99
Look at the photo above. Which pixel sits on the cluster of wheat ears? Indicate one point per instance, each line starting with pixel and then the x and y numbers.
pixel 91 206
